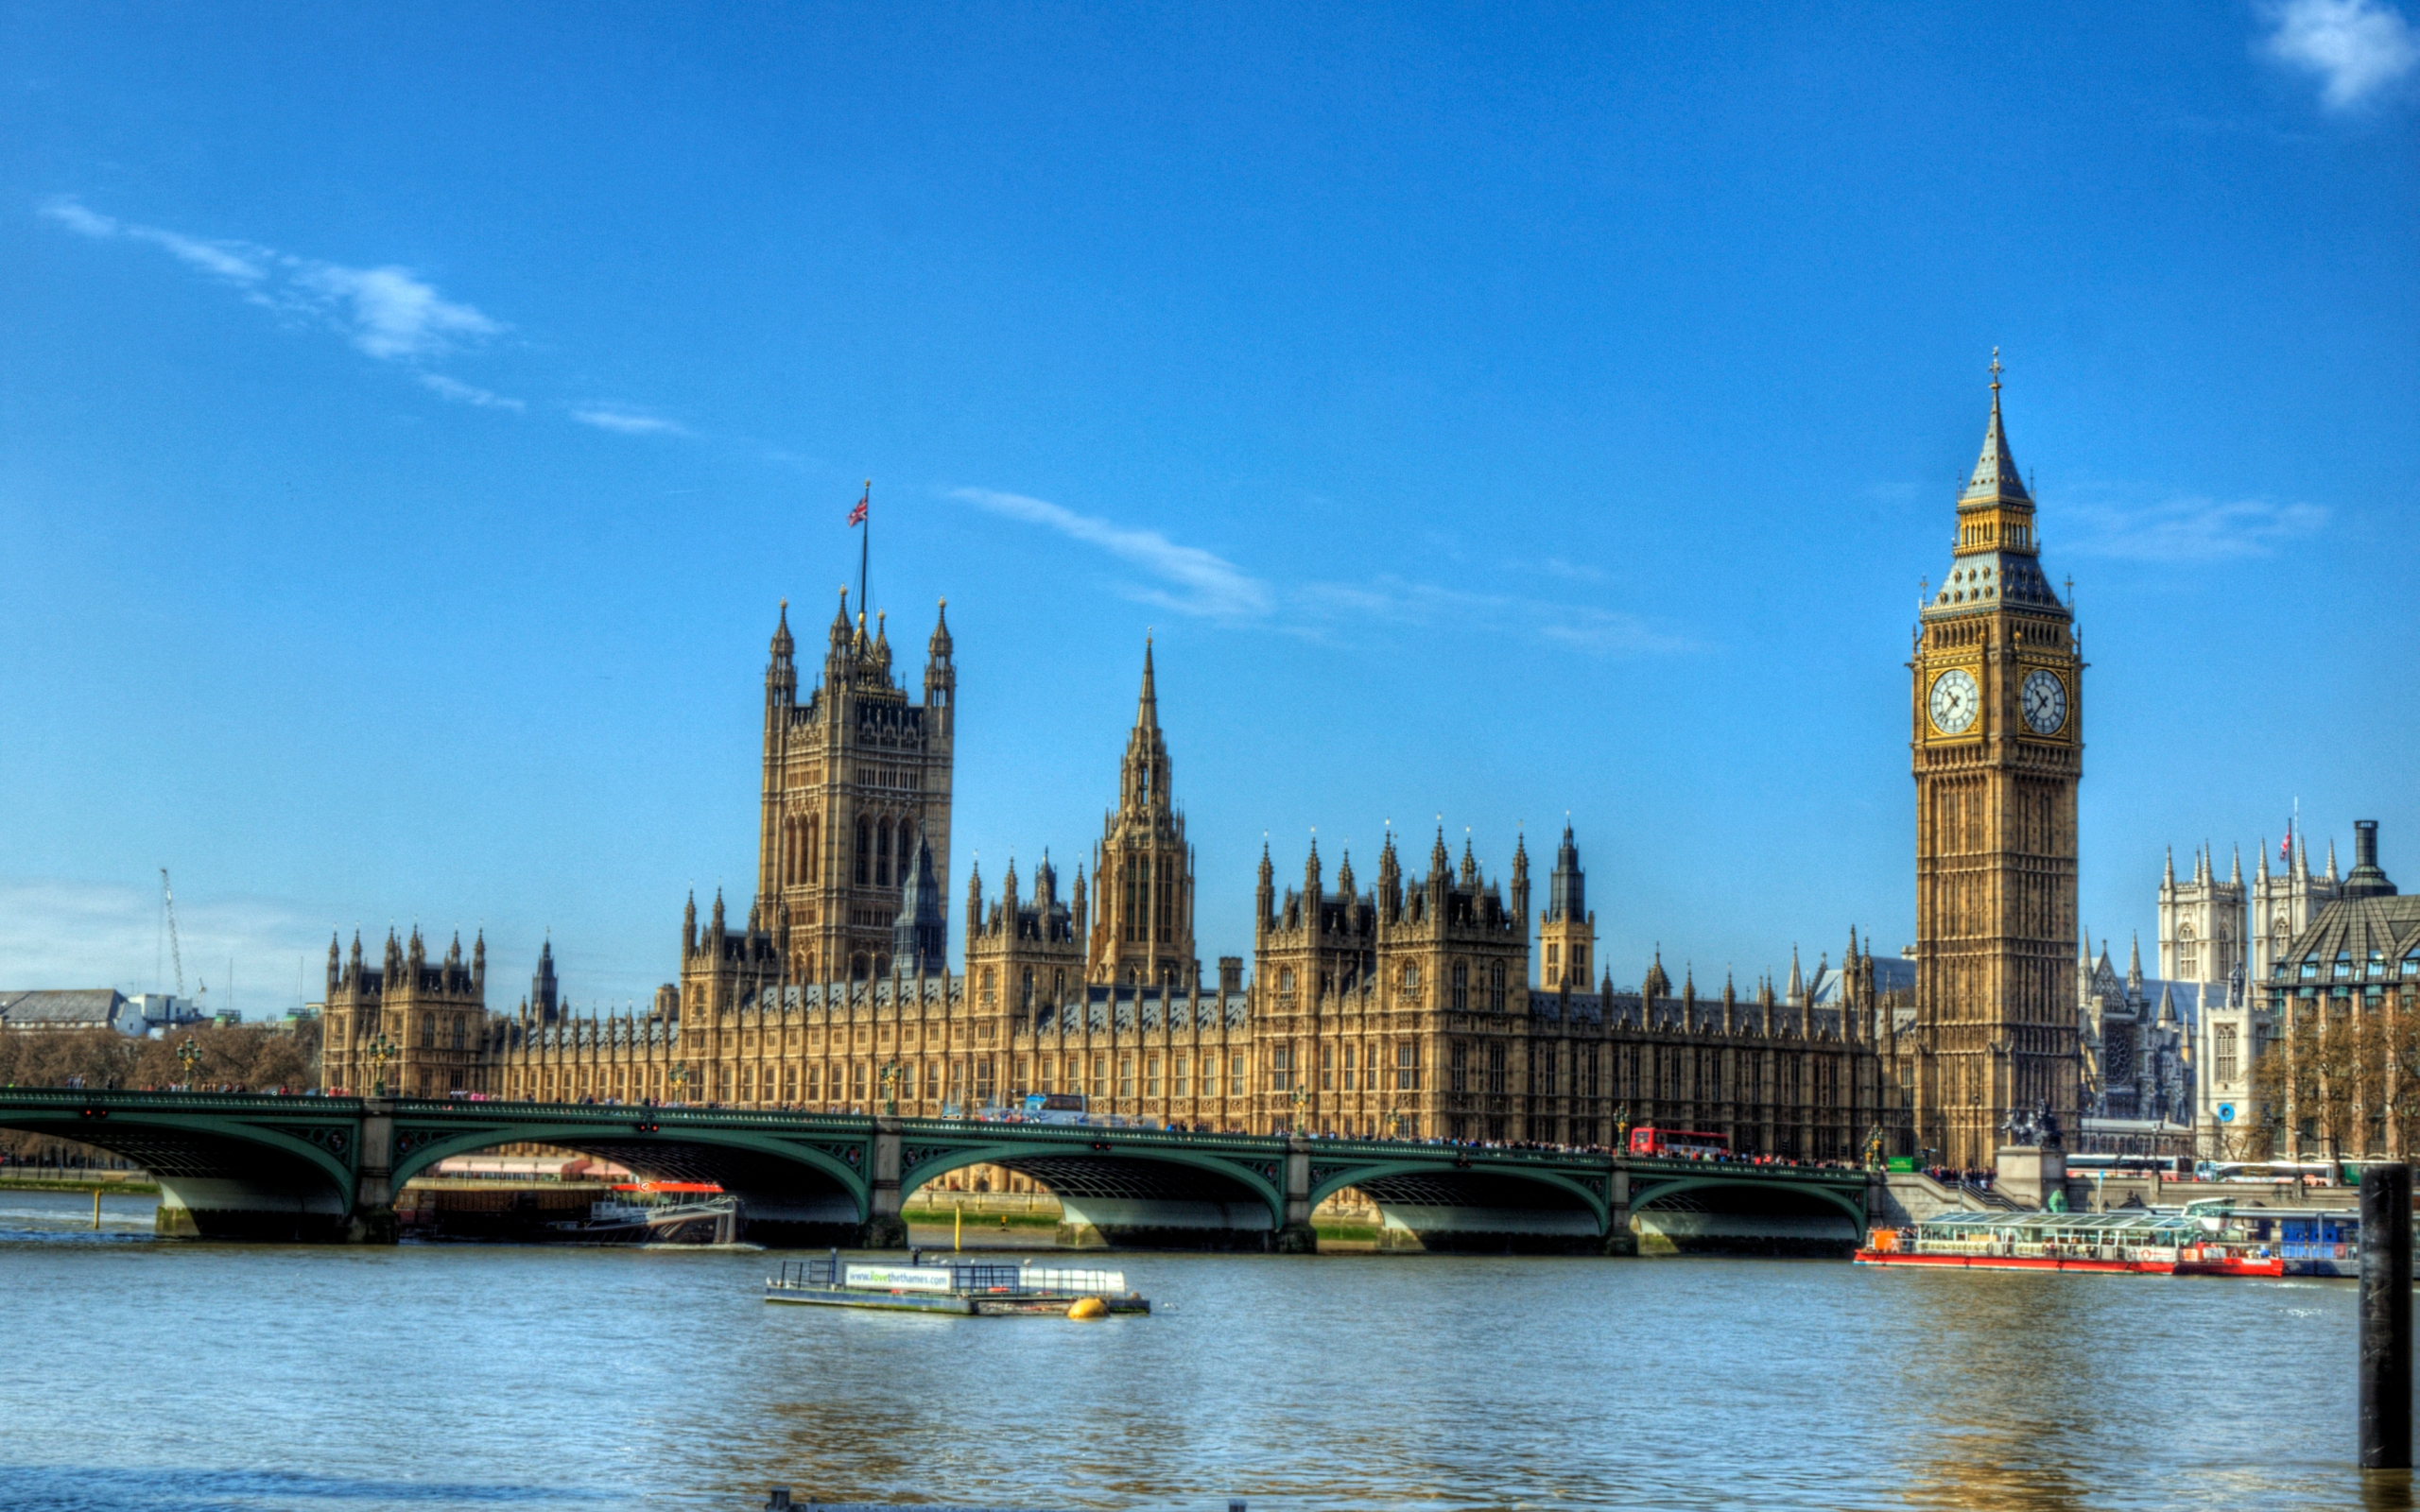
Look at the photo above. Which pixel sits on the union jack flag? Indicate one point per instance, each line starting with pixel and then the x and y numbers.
pixel 857 515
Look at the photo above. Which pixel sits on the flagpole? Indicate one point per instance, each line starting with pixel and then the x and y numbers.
pixel 865 545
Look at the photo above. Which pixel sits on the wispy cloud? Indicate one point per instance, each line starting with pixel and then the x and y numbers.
pixel 58 934
pixel 2353 48
pixel 1185 579
pixel 1194 581
pixel 462 393
pixel 626 420
pixel 2193 530
pixel 389 313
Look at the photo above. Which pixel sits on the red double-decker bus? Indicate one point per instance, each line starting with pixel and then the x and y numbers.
pixel 1648 1140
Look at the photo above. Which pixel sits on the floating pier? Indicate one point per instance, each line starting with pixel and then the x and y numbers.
pixel 975 1290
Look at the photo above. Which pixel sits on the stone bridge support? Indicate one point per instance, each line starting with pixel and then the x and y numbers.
pixel 1295 1235
pixel 1619 1240
pixel 885 1227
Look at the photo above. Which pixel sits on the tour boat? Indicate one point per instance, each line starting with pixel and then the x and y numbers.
pixel 660 1212
pixel 2139 1242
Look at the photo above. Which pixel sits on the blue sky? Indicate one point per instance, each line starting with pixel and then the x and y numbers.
pixel 412 416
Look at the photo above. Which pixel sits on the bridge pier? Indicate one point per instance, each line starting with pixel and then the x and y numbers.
pixel 1295 1235
pixel 885 1226
pixel 1619 1238
pixel 373 1221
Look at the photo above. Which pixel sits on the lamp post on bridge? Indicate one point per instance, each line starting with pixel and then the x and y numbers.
pixel 681 1082
pixel 381 1051
pixel 890 1087
pixel 188 1055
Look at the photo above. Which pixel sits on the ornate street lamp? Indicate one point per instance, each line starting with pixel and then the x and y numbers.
pixel 890 1087
pixel 188 1055
pixel 681 1082
pixel 380 1050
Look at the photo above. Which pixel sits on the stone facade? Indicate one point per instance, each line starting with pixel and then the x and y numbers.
pixel 1998 712
pixel 410 1025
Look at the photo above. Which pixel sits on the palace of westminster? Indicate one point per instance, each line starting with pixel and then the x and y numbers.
pixel 1440 1001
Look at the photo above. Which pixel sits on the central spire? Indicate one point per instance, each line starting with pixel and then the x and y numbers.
pixel 1146 707
pixel 1995 479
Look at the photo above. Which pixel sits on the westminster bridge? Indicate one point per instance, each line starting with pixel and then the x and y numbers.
pixel 257 1166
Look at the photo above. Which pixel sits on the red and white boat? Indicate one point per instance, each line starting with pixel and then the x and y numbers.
pixel 2132 1242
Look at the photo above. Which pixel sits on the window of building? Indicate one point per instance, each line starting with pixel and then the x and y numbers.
pixel 1126 1075
pixel 461 1042
pixel 1410 976
pixel 2225 1057
pixel 2188 955
pixel 428 1031
pixel 865 849
pixel 1281 1069
pixel 1495 986
pixel 1327 1068
pixel 2412 963
pixel 1180 1083
pixel 1495 1069
pixel 1461 986
pixel 1237 1069
pixel 983 1080
pixel 1458 1074
pixel 1285 979
pixel 1407 1066
pixel 882 854
pixel 814 849
pixel 1151 1075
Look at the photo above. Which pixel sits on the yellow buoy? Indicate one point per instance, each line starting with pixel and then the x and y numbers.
pixel 1088 1307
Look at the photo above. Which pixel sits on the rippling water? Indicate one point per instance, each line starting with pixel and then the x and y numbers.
pixel 160 1375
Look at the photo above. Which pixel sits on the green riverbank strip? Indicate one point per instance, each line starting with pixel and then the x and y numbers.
pixel 132 1189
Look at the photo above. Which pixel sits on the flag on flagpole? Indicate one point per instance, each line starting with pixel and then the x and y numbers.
pixel 857 515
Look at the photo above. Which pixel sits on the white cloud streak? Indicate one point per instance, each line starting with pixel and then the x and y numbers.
pixel 2353 48
pixel 462 393
pixel 2193 531
pixel 56 933
pixel 1194 581
pixel 625 421
pixel 1189 579
pixel 388 313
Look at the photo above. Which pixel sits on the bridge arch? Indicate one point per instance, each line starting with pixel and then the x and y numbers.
pixel 221 1174
pixel 1484 1205
pixel 1137 1193
pixel 794 1188
pixel 1731 1215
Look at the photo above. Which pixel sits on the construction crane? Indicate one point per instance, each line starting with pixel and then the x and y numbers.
pixel 168 907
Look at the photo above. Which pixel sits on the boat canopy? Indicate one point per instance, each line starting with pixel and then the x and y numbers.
pixel 2134 1225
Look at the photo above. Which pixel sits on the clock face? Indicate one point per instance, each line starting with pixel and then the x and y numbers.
pixel 2046 702
pixel 1954 702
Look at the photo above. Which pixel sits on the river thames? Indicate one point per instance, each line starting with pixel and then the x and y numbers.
pixel 141 1373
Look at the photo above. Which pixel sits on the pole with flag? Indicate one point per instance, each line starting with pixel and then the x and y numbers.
pixel 858 517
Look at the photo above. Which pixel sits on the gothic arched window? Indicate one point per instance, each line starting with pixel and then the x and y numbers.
pixel 905 850
pixel 865 848
pixel 1461 986
pixel 1495 987
pixel 882 856
pixel 810 864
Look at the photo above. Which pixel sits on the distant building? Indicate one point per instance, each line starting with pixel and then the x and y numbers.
pixel 2218 941
pixel 55 1012
pixel 2358 955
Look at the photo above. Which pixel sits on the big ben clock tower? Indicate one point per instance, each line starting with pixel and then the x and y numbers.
pixel 1997 751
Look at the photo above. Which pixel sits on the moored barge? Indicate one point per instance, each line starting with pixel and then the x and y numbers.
pixel 976 1290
